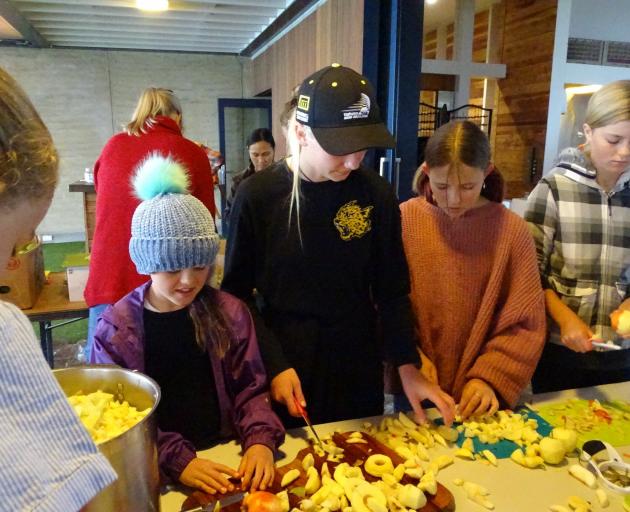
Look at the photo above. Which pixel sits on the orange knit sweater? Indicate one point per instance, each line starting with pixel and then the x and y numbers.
pixel 476 294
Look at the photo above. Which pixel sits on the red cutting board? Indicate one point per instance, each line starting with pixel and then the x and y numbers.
pixel 443 500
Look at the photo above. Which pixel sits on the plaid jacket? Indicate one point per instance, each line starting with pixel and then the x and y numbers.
pixel 582 236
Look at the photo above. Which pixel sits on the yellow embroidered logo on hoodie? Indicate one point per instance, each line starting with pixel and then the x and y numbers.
pixel 352 221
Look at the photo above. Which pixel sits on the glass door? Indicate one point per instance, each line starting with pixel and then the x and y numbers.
pixel 237 119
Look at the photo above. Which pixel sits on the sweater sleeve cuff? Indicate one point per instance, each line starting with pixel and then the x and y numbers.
pixel 260 438
pixel 179 463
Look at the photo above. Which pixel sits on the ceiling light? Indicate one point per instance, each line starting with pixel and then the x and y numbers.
pixel 152 5
pixel 431 2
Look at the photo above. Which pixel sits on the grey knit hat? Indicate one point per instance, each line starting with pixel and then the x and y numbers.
pixel 171 230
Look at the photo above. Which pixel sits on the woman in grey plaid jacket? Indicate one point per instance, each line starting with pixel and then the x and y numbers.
pixel 579 215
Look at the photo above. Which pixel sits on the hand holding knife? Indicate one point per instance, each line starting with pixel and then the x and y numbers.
pixel 304 415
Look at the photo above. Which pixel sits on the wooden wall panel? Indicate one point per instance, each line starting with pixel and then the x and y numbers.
pixel 333 33
pixel 523 95
pixel 480 37
pixel 429 48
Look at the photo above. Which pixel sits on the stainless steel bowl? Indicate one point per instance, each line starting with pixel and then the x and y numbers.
pixel 132 454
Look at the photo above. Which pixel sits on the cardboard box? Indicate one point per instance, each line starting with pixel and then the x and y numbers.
pixel 22 280
pixel 77 271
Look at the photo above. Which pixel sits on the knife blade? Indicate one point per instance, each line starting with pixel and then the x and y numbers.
pixel 304 415
pixel 605 345
pixel 223 502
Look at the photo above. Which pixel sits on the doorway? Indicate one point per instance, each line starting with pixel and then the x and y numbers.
pixel 237 119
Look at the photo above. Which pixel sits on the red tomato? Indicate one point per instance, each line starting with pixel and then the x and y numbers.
pixel 262 501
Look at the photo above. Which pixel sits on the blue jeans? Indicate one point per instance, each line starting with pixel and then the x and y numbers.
pixel 95 314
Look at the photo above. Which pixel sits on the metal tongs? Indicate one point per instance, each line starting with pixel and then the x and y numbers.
pixel 613 471
pixel 302 412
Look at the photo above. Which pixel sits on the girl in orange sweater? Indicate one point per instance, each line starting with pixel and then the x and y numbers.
pixel 475 288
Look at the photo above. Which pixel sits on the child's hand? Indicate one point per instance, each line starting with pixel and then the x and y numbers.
pixel 208 476
pixel 285 387
pixel 478 398
pixel 256 468
pixel 576 335
pixel 418 388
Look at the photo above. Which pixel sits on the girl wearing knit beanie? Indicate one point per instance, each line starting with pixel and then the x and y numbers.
pixel 196 342
pixel 475 288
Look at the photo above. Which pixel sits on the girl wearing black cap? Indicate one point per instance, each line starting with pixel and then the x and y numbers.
pixel 319 239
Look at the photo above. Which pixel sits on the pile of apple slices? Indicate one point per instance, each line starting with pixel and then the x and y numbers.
pixel 347 489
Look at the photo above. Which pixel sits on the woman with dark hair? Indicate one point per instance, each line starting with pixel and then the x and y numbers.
pixel 474 281
pixel 261 148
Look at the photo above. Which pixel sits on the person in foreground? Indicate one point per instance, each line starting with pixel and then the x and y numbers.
pixel 579 214
pixel 475 290
pixel 318 238
pixel 196 342
pixel 48 461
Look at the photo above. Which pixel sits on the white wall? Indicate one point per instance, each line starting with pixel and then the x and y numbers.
pixel 84 96
pixel 594 19
pixel 600 19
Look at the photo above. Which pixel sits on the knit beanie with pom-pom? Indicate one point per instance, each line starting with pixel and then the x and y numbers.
pixel 170 230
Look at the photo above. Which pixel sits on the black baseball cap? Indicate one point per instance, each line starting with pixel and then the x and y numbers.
pixel 340 107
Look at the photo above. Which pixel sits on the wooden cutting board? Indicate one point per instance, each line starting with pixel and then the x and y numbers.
pixel 443 500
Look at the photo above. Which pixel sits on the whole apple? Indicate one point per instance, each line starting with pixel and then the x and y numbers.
pixel 567 436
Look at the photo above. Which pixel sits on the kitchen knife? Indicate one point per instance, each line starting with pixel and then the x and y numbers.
pixel 302 412
pixel 605 345
pixel 222 503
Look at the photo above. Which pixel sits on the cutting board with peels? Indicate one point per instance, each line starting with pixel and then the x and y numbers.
pixel 354 453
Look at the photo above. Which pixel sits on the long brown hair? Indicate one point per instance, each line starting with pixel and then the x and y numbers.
pixel 459 142
pixel 210 322
pixel 28 158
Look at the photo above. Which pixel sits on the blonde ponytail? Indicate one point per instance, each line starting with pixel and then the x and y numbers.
pixel 294 165
pixel 153 102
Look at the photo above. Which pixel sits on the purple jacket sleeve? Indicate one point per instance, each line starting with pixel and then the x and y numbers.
pixel 254 420
pixel 118 346
pixel 174 454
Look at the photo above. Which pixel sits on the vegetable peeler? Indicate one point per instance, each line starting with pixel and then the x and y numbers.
pixel 605 461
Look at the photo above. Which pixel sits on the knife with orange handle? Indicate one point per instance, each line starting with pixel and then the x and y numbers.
pixel 304 415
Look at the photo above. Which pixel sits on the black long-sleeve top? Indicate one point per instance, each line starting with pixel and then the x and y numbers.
pixel 323 298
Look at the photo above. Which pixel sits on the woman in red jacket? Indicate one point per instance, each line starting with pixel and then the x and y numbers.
pixel 156 127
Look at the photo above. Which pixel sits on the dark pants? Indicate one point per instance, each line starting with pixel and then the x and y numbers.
pixel 562 368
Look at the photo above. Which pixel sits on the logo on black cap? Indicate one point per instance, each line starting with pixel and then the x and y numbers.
pixel 358 110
